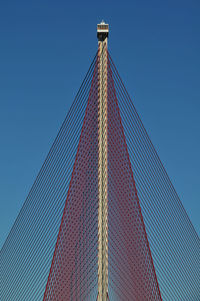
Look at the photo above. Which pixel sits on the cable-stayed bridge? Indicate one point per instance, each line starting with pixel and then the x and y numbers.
pixel 102 220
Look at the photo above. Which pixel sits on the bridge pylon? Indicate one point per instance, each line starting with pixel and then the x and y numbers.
pixel 102 35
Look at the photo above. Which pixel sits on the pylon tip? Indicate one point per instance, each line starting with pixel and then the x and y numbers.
pixel 102 31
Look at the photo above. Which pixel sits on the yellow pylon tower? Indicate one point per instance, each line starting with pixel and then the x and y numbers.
pixel 102 35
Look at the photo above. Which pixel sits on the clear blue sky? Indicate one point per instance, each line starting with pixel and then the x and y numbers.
pixel 45 50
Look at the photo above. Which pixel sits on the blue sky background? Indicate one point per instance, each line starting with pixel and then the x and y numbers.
pixel 45 50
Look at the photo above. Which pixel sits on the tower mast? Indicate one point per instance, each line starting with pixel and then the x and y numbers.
pixel 102 35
